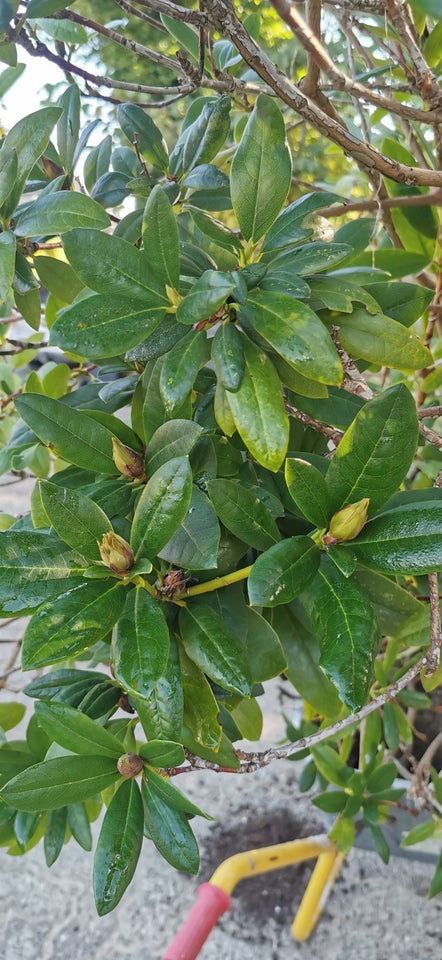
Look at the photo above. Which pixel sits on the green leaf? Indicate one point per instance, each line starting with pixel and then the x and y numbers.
pixel 436 882
pixel 283 572
pixel 243 513
pixel 296 333
pixel 382 778
pixel 29 138
pixel 173 439
pixel 68 126
pixel 10 715
pixel 104 324
pixel 308 490
pixel 405 302
pixel 201 710
pixel 76 518
pixel 376 451
pixel 141 645
pixel 69 432
pixel 54 783
pixel 205 297
pixel 33 567
pixel 348 634
pixel 75 731
pixel 44 8
pixel 181 366
pixel 8 171
pixel 310 258
pixel 214 648
pixel 265 653
pixel 55 834
pixel 228 356
pixel 57 213
pixel 162 753
pixel 169 829
pixel 78 823
pixel 118 846
pixel 258 409
pixel 288 229
pixel 58 277
pixel 161 715
pixel 7 263
pixel 30 308
pixel 200 142
pixel 406 540
pixel 419 833
pixel 160 239
pixel 194 546
pixel 112 266
pixel 162 507
pixel 71 623
pixel 381 340
pixel 174 798
pixel 139 127
pixel 261 170
pixel 183 33
pixel 392 604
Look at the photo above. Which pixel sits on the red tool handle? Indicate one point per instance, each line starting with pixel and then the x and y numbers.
pixel 212 902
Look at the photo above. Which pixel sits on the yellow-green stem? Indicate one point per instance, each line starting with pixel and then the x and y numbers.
pixel 217 583
pixel 141 582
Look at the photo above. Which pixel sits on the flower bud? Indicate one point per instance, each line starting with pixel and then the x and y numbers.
pixel 345 524
pixel 116 553
pixel 127 461
pixel 130 765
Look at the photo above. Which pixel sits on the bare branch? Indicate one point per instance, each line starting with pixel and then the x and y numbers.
pixel 330 433
pixel 433 656
pixel 421 77
pixel 431 199
pixel 223 18
pixel 119 39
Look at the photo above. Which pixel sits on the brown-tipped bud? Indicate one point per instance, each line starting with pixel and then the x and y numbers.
pixel 130 765
pixel 127 461
pixel 347 523
pixel 116 553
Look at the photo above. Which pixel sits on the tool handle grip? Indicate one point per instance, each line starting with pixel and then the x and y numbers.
pixel 212 902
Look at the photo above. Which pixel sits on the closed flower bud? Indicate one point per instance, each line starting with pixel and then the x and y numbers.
pixel 127 461
pixel 130 765
pixel 347 523
pixel 116 553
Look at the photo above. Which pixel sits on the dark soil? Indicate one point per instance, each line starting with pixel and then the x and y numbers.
pixel 276 894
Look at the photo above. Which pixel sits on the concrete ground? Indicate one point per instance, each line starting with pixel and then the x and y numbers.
pixel 375 912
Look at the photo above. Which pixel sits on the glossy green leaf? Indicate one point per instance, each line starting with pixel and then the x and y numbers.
pixel 214 648
pixel 25 825
pixel 169 829
pixel 75 518
pixel 348 633
pixel 261 170
pixel 139 127
pixel 181 366
pixel 141 645
pixel 161 715
pixel 228 356
pixel 55 834
pixel 8 171
pixel 301 650
pixel 35 566
pixel 7 263
pixel 243 513
pixel 29 306
pixel 11 714
pixel 29 138
pixel 160 239
pixel 183 33
pixel 194 546
pixel 288 227
pixel 405 302
pixel 258 409
pixel 336 294
pixel 173 439
pixel 110 265
pixel 162 507
pixel 162 753
pixel 406 540
pixel 283 572
pixel 296 333
pixel 78 823
pixel 265 653
pixel 69 432
pixel 200 141
pixel 104 325
pixel 68 126
pixel 375 452
pixel 64 780
pixel 118 846
pixel 75 731
pixel 392 604
pixel 205 297
pixel 44 8
pixel 247 716
pixel 308 490
pixel 72 622
pixel 58 277
pixel 57 213
pixel 381 340
pixel 222 412
pixel 310 258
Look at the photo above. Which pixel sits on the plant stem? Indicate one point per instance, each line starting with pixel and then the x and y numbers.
pixel 218 582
